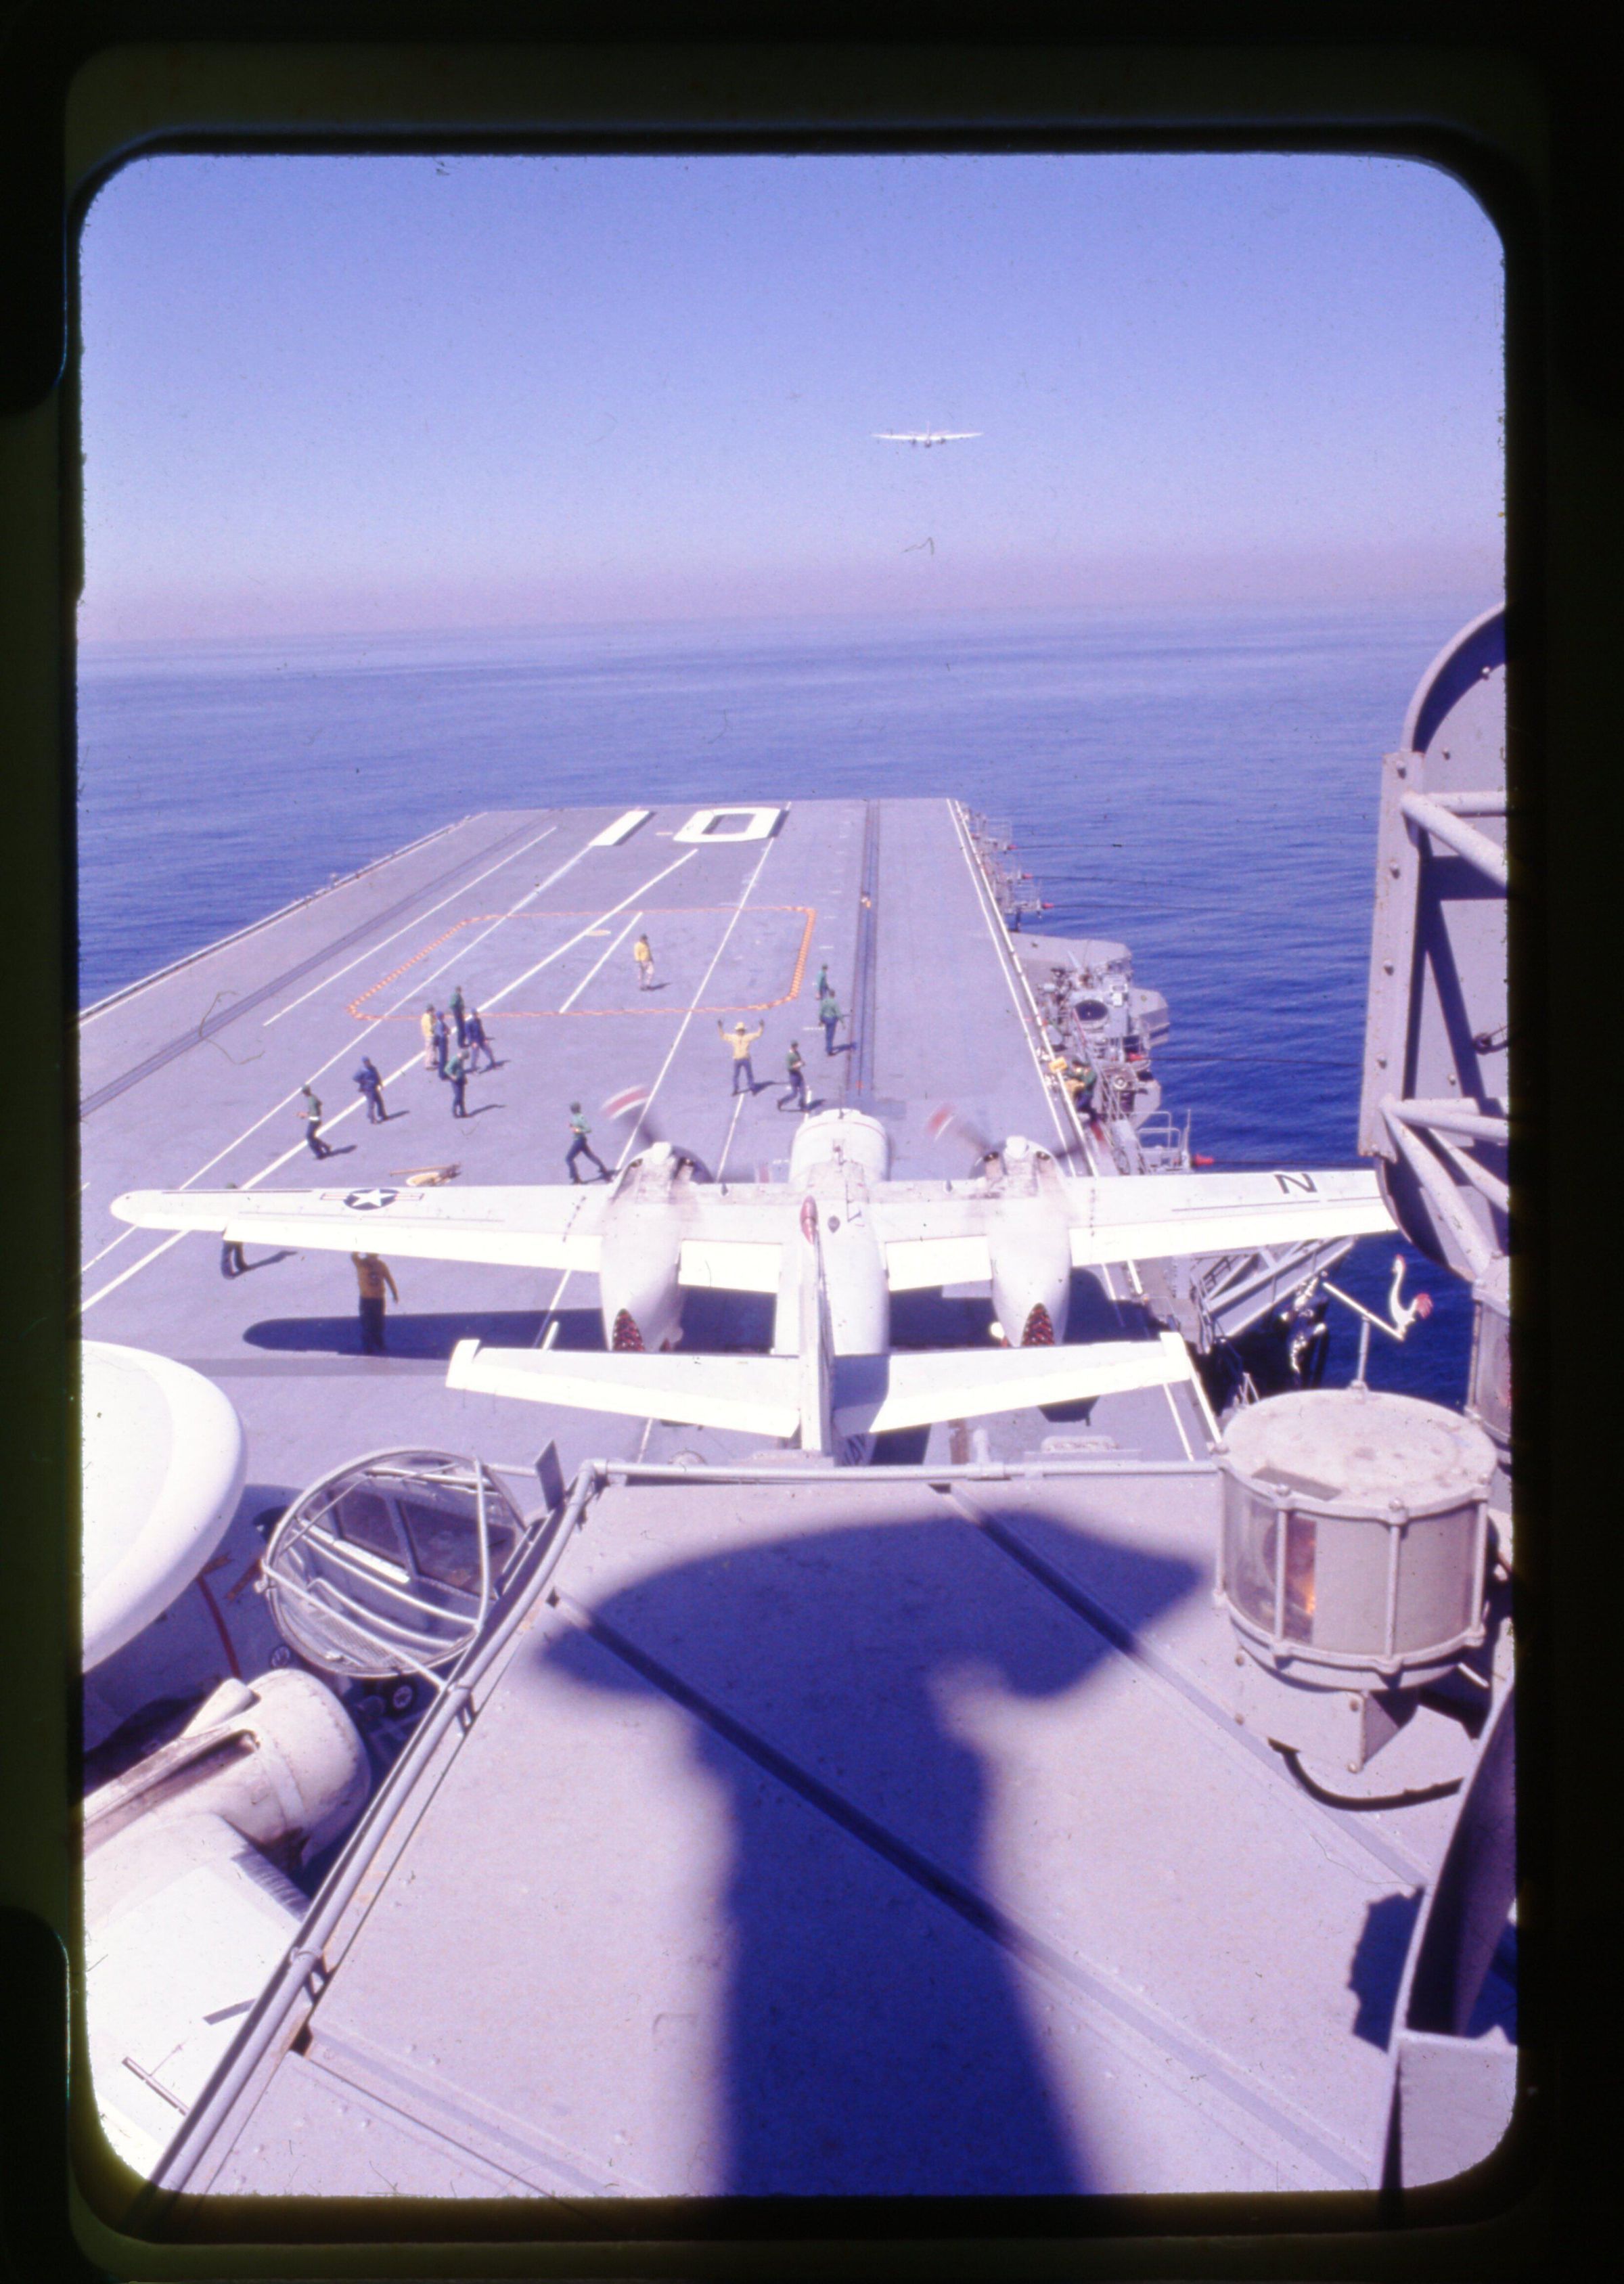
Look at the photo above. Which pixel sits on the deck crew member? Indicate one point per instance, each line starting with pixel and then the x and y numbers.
pixel 233 1260
pixel 797 1094
pixel 457 1071
pixel 641 951
pixel 741 1042
pixel 371 1275
pixel 310 1111
pixel 426 1022
pixel 459 1014
pixel 1308 1340
pixel 370 1079
pixel 822 986
pixel 478 1043
pixel 580 1147
pixel 829 1014
pixel 1080 1077
pixel 442 1043
pixel 1057 1062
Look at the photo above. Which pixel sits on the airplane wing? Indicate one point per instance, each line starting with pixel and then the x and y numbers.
pixel 1166 1214
pixel 941 1237
pixel 734 1237
pixel 931 1235
pixel 758 1393
pixel 551 1226
pixel 734 1265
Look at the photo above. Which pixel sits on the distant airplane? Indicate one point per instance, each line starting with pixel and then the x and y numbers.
pixel 936 436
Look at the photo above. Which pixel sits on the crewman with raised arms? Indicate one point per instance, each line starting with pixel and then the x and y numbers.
pixel 741 1040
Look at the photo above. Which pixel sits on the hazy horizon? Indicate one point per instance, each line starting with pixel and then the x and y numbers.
pixel 373 395
pixel 1457 600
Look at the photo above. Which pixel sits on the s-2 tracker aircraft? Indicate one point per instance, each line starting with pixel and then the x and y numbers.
pixel 831 1244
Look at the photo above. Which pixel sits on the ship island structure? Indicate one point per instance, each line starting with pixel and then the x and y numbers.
pixel 533 1818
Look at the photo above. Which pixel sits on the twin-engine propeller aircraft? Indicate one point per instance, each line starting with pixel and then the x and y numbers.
pixel 934 436
pixel 831 1244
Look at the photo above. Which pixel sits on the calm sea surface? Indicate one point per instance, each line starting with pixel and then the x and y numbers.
pixel 1200 783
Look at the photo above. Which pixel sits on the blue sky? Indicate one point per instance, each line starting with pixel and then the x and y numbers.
pixel 333 393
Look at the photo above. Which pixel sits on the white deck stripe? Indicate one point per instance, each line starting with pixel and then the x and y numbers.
pixel 622 828
pixel 297 903
pixel 740 1101
pixel 417 921
pixel 566 1004
pixel 579 933
pixel 733 920
pixel 413 1060
pixel 459 952
pixel 357 1039
pixel 995 929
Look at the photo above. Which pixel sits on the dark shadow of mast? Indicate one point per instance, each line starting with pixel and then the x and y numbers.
pixel 879 2040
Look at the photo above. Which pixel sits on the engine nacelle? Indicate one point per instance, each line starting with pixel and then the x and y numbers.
pixel 1031 1259
pixel 851 1136
pixel 1031 1253
pixel 638 1290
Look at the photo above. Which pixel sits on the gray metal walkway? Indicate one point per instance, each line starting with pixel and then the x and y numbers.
pixel 849 1839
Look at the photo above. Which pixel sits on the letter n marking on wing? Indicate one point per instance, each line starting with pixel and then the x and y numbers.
pixel 1290 1182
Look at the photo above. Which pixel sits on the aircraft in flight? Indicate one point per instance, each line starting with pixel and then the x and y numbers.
pixel 936 436
pixel 831 1244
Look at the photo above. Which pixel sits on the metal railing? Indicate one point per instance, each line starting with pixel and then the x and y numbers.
pixel 364 1603
pixel 991 841
pixel 1413 1126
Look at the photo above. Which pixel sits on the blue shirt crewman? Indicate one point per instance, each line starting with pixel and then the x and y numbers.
pixel 370 1079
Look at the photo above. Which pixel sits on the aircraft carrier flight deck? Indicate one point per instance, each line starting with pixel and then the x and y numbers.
pixel 852 1836
pixel 194 1078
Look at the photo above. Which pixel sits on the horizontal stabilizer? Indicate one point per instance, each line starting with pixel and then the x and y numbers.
pixel 874 1394
pixel 757 1394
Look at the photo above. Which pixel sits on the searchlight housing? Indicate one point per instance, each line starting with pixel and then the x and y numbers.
pixel 1353 1552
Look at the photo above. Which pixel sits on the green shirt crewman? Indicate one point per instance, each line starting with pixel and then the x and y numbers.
pixel 797 1094
pixel 580 1147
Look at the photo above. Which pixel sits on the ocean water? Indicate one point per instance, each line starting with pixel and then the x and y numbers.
pixel 1200 783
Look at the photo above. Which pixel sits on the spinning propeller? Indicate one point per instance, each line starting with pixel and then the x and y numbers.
pixel 950 1124
pixel 633 1105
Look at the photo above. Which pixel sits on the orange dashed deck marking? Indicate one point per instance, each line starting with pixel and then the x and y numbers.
pixel 359 1010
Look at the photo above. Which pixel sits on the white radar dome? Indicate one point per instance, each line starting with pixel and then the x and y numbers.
pixel 162 1458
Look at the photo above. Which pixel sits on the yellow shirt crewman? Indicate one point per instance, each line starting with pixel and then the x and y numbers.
pixel 741 1042
pixel 371 1275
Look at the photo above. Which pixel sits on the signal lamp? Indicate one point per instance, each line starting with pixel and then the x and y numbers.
pixel 1355 1544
